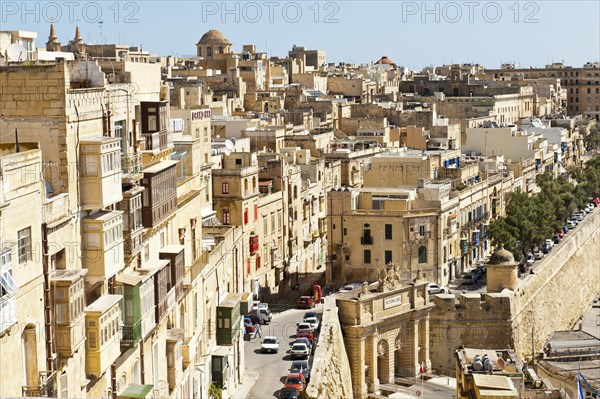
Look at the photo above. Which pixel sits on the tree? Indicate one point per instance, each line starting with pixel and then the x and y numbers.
pixel 214 392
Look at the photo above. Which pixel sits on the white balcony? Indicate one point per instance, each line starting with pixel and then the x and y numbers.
pixel 100 172
pixel 103 244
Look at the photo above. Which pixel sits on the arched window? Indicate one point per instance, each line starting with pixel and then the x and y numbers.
pixel 209 51
pixel 295 192
pixel 199 51
pixel 422 255
pixel 220 50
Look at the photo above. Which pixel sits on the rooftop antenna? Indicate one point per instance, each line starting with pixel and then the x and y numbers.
pixel 101 40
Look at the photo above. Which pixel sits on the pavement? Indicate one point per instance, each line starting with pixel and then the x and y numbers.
pixel 265 374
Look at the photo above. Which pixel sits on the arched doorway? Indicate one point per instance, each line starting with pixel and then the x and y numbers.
pixel 403 359
pixel 383 369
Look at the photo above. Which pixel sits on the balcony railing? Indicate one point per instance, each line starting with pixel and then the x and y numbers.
pixel 131 335
pixel 46 389
pixel 366 240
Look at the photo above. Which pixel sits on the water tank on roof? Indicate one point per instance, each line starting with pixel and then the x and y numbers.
pixel 477 363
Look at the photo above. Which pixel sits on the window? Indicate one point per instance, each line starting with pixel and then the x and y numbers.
pixel 367 256
pixel 119 128
pixel 226 216
pixel 388 257
pixel 422 255
pixel 245 215
pixel 257 261
pixel 8 287
pixel 24 245
pixel 388 231
pixel 255 211
pixel 224 188
pixel 146 252
pixel 422 231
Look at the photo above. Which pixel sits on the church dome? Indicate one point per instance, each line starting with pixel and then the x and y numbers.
pixel 385 61
pixel 214 37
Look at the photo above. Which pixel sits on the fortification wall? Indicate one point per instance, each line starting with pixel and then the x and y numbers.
pixel 561 289
pixel 473 320
pixel 553 298
pixel 330 374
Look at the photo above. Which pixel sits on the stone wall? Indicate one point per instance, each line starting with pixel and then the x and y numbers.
pixel 561 290
pixel 553 298
pixel 468 320
pixel 330 374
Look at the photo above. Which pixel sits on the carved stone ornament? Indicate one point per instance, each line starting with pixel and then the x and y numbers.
pixel 381 348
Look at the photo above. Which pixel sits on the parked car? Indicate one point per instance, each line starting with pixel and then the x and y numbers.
pixel 295 380
pixel 305 302
pixel 435 289
pixel 470 278
pixel 313 322
pixel 253 318
pixel 538 254
pixel 550 242
pixel 596 201
pixel 299 351
pixel 523 267
pixel 288 393
pixel 545 249
pixel 578 215
pixel 590 207
pixel 310 314
pixel 303 340
pixel 248 325
pixel 560 233
pixel 556 239
pixel 301 366
pixel 565 229
pixel 529 259
pixel 347 288
pixel 305 332
pixel 571 224
pixel 270 345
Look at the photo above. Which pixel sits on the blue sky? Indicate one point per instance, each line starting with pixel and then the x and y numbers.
pixel 412 33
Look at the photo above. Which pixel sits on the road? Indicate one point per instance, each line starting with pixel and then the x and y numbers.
pixel 273 368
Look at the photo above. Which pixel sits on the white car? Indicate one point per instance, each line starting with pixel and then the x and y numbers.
pixel 270 345
pixel 299 351
pixel 435 289
pixel 313 321
pixel 530 259
pixel 549 242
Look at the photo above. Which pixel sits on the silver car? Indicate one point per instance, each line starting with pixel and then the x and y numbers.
pixel 299 351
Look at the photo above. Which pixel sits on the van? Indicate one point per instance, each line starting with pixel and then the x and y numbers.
pixel 265 315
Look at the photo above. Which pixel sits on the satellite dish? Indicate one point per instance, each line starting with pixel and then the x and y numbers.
pixel 229 145
pixel 16 52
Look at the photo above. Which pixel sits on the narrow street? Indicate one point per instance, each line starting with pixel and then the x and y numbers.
pixel 273 368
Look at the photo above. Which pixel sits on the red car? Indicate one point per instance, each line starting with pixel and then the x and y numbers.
pixel 305 332
pixel 295 380
pixel 305 302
